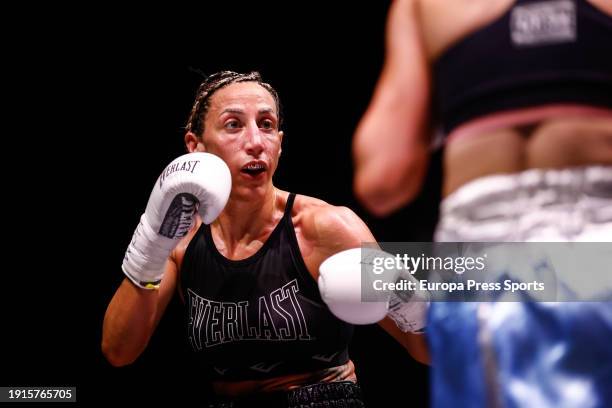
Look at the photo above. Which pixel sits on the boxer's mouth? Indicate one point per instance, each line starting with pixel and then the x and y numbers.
pixel 254 168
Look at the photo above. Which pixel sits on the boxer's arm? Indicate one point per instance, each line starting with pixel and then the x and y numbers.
pixel 133 315
pixel 415 344
pixel 338 229
pixel 390 145
pixel 195 182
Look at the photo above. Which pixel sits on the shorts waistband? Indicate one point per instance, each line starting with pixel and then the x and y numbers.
pixel 345 394
pixel 542 185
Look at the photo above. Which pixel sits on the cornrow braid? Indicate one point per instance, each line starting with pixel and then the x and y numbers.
pixel 212 84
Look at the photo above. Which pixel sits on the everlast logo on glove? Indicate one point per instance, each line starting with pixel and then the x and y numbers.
pixel 188 165
pixel 179 216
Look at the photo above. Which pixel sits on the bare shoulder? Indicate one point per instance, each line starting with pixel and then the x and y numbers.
pixel 320 216
pixel 443 22
pixel 603 5
pixel 331 226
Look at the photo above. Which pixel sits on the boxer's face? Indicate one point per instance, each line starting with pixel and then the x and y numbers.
pixel 241 127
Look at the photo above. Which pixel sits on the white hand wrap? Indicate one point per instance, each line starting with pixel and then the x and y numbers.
pixel 408 309
pixel 194 181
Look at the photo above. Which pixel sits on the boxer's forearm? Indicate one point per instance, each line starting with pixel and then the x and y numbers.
pixel 193 182
pixel 128 323
pixel 415 344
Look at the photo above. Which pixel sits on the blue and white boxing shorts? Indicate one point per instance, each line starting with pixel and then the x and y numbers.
pixel 528 354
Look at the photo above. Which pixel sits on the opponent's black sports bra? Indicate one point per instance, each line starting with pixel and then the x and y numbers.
pixel 537 53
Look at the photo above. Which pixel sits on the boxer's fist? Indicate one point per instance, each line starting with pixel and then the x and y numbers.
pixel 354 290
pixel 193 182
pixel 340 279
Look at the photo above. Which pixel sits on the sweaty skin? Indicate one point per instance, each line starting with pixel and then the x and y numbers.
pixel 241 127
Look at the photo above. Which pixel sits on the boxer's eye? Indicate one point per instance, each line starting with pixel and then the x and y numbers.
pixel 267 124
pixel 232 124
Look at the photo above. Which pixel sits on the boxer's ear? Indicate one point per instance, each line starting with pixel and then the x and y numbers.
pixel 194 143
pixel 280 135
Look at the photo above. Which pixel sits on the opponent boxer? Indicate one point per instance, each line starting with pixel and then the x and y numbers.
pixel 247 264
pixel 521 92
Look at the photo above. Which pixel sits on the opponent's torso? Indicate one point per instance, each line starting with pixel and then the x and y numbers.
pixel 536 134
pixel 261 317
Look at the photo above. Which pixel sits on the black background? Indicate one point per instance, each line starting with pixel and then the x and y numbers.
pixel 105 95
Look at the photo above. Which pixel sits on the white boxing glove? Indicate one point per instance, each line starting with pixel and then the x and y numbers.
pixel 340 284
pixel 193 182
pixel 340 287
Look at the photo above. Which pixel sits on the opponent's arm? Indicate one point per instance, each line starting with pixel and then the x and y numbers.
pixel 391 143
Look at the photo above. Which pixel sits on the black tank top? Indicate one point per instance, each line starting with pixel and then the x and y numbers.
pixel 537 53
pixel 258 317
